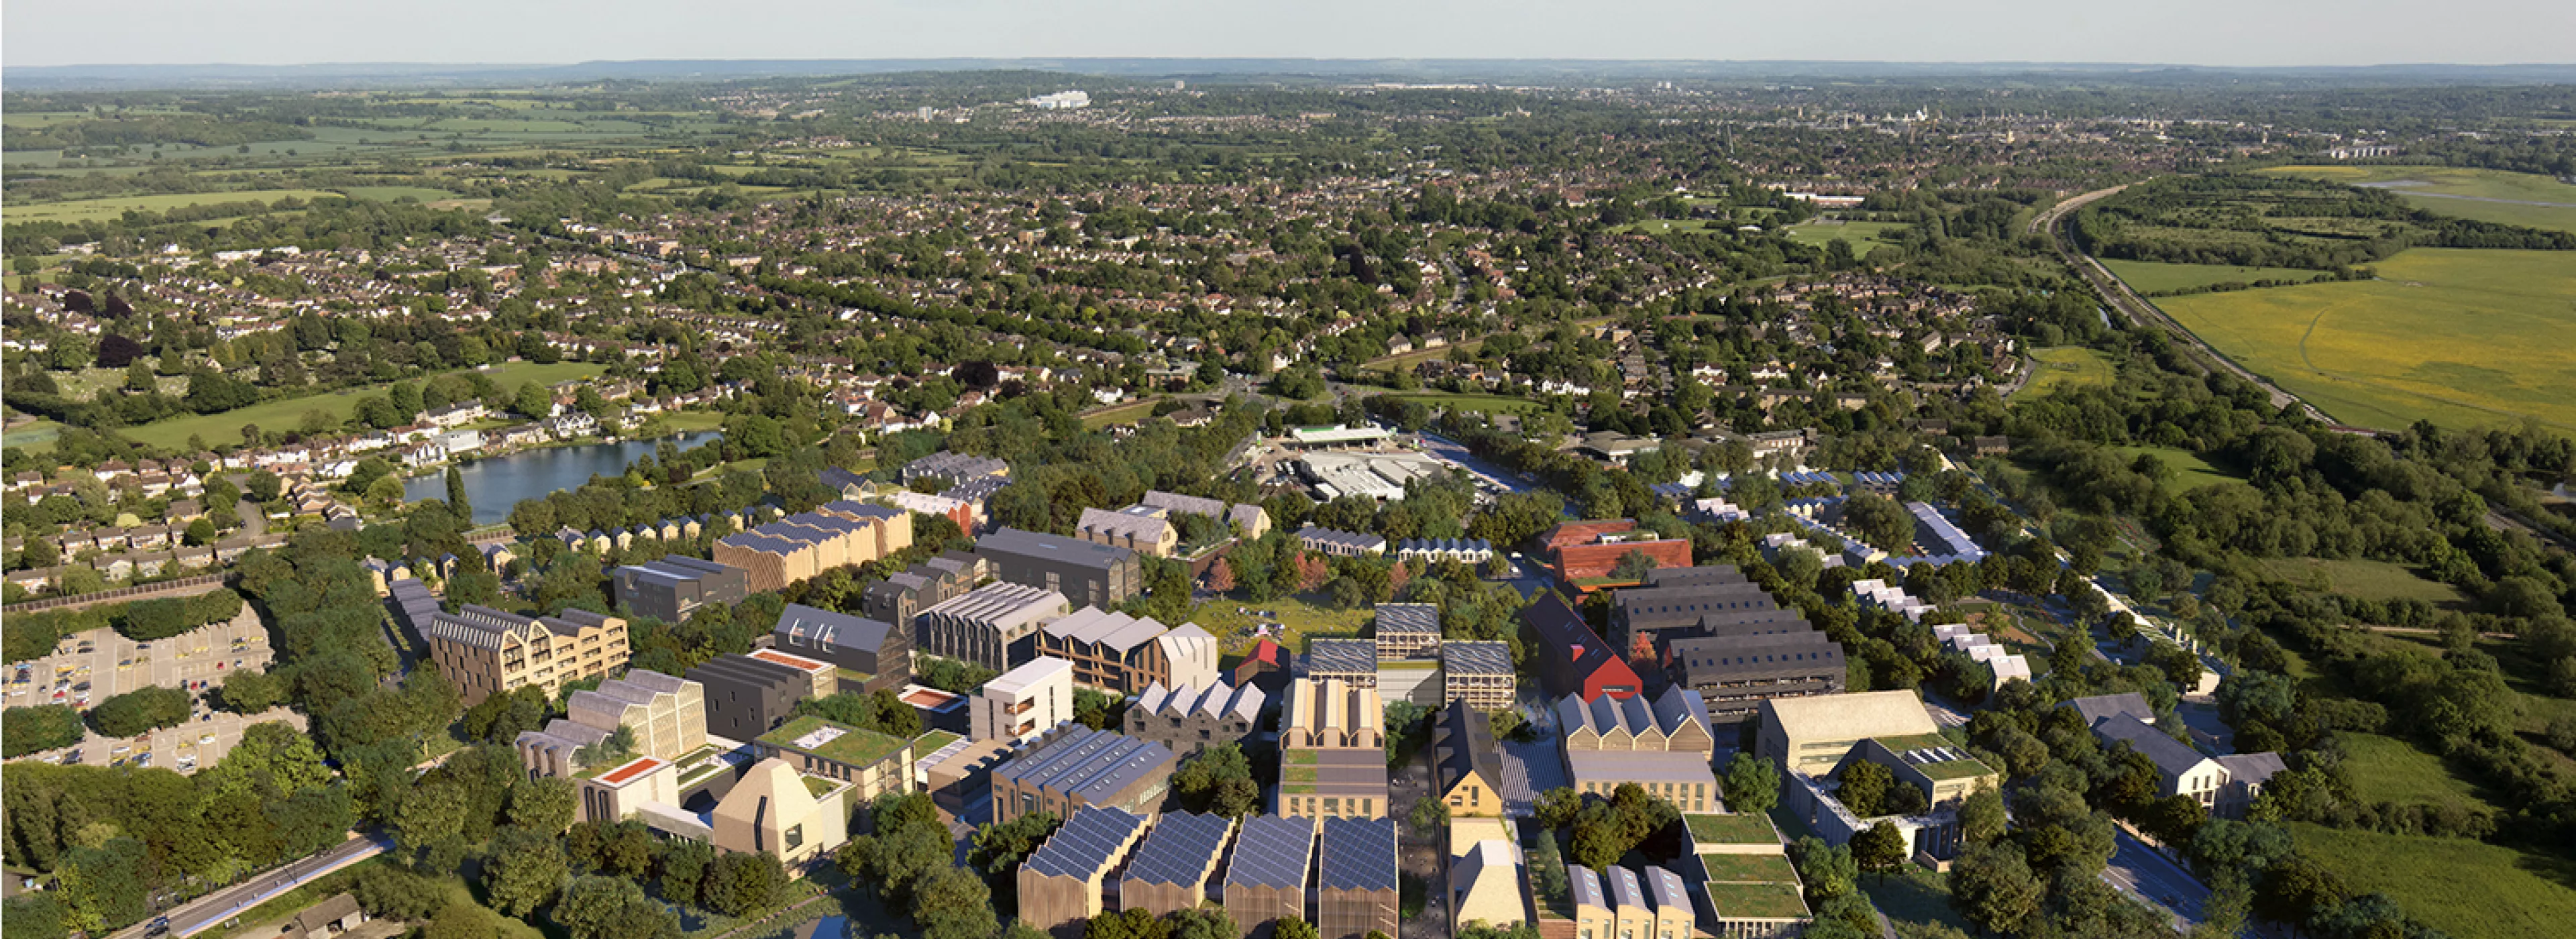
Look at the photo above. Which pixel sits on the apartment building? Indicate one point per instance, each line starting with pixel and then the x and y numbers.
pixel 1332 758
pixel 485 651
pixel 1664 747
pixel 902 596
pixel 1135 528
pixel 802 545
pixel 1087 574
pixel 1024 702
pixel 675 586
pixel 750 695
pixel 1115 652
pixel 873 655
pixel 994 626
pixel 1190 718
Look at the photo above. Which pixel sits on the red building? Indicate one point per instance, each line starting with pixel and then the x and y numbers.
pixel 1588 551
pixel 1572 659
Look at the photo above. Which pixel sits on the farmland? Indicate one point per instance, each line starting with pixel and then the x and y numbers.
pixel 2486 195
pixel 1862 235
pixel 2154 278
pixel 2467 338
pixel 81 209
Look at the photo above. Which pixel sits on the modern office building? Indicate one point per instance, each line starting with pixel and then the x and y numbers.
pixel 995 625
pixel 1076 767
pixel 1170 871
pixel 675 586
pixel 485 651
pixel 1265 880
pixel 1406 630
pixel 1024 702
pixel 1478 673
pixel 1192 718
pixel 1332 757
pixel 872 655
pixel 1663 747
pixel 1123 654
pixel 1810 736
pixel 1086 574
pixel 1356 878
pixel 1350 661
pixel 752 694
pixel 1060 883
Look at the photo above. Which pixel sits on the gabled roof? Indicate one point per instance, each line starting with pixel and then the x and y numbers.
pixel 829 628
pixel 1181 851
pixel 1092 625
pixel 1273 851
pixel 2099 708
pixel 2170 756
pixel 1469 747
pixel 1359 854
pixel 1088 843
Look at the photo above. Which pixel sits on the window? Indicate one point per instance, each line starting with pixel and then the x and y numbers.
pixel 795 837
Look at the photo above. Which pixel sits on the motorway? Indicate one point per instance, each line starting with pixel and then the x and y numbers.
pixel 205 912
pixel 2140 872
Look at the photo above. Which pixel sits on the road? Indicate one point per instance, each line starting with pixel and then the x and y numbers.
pixel 2137 309
pixel 1448 450
pixel 203 913
pixel 2140 872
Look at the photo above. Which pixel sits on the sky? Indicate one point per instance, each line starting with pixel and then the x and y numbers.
pixel 2189 32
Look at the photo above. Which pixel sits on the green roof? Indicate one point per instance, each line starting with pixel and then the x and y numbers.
pixel 929 743
pixel 1954 769
pixel 854 747
pixel 819 786
pixel 1749 868
pixel 1756 901
pixel 1938 771
pixel 1912 742
pixel 1739 828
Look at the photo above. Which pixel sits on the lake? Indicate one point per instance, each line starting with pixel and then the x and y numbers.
pixel 497 485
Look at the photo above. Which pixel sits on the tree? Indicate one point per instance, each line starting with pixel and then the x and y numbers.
pixel 1633 566
pixel 612 908
pixel 431 813
pixel 683 868
pixel 1752 784
pixel 1993 888
pixel 456 501
pixel 1981 815
pixel 142 709
pixel 741 883
pixel 1429 817
pixel 1290 927
pixel 1880 521
pixel 393 893
pixel 1879 848
pixel 45 727
pixel 1865 787
pixel 954 904
pixel 999 847
pixel 1220 576
pixel 523 871
pixel 543 805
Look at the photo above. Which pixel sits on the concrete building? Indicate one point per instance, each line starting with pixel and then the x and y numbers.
pixel 1192 718
pixel 1356 878
pixel 1664 747
pixel 1115 652
pixel 1265 881
pixel 872 655
pixel 1086 574
pixel 1810 736
pixel 1170 871
pixel 771 810
pixel 750 695
pixel 872 763
pixel 1060 883
pixel 1332 756
pixel 994 626
pixel 675 586
pixel 485 651
pixel 1024 702
pixel 1081 768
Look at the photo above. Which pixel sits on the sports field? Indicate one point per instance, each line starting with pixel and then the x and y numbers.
pixel 2066 367
pixel 2465 888
pixel 226 427
pixel 2155 277
pixel 2486 195
pixel 2465 338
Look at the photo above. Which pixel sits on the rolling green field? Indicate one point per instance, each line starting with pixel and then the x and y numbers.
pixel 2460 191
pixel 1862 235
pixel 80 209
pixel 226 427
pixel 2368 580
pixel 391 193
pixel 2067 367
pixel 2190 471
pixel 2386 769
pixel 2154 277
pixel 2465 338
pixel 2468 889
pixel 1490 404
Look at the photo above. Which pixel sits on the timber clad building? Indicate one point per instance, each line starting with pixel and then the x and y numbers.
pixel 1266 880
pixel 1082 768
pixel 800 546
pixel 1116 652
pixel 1060 883
pixel 1356 871
pixel 487 651
pixel 1170 871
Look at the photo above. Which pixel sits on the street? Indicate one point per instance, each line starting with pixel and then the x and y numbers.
pixel 204 912
pixel 2140 872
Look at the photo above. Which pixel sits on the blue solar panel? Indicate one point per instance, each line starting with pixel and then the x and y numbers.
pixel 1273 851
pixel 1359 853
pixel 1086 845
pixel 1180 849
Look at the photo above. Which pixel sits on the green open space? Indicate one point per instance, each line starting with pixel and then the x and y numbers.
pixel 86 209
pixel 1121 414
pixel 2189 470
pixel 173 434
pixel 2368 580
pixel 393 193
pixel 1298 619
pixel 2467 338
pixel 1862 235
pixel 1456 401
pixel 2466 888
pixel 2460 191
pixel 2155 277
pixel 2067 367
pixel 1738 828
pixel 2386 769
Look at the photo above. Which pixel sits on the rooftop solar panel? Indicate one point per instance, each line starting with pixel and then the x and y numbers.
pixel 1359 854
pixel 1086 845
pixel 1180 850
pixel 1273 851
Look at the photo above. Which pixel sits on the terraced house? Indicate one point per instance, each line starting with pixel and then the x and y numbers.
pixel 487 651
pixel 1116 652
pixel 802 545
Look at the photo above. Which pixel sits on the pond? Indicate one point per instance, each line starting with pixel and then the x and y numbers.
pixel 497 485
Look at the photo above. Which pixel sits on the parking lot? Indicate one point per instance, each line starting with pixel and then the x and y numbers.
pixel 97 664
pixel 195 745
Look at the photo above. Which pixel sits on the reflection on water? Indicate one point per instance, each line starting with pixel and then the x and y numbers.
pixel 496 485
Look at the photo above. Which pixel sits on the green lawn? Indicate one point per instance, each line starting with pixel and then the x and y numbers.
pixel 1913 895
pixel 2155 277
pixel 1121 414
pixel 2467 338
pixel 2067 367
pixel 392 193
pixel 1738 828
pixel 1454 401
pixel 2468 889
pixel 2386 769
pixel 2369 580
pixel 2189 470
pixel 36 435
pixel 173 434
pixel 1862 235
pixel 1300 618
pixel 95 209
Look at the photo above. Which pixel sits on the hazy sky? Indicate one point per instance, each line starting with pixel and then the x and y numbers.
pixel 2202 32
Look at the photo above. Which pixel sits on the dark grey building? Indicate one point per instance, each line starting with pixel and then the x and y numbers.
pixel 904 594
pixel 1701 576
pixel 747 697
pixel 857 644
pixel 1669 613
pixel 675 586
pixel 1734 674
pixel 1087 574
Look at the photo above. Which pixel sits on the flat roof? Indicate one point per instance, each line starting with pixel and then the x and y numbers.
pixel 797 662
pixel 637 768
pixel 809 734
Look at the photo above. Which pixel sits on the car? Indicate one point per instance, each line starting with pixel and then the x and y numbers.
pixel 209 738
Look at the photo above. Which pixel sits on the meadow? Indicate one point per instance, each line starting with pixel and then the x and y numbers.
pixel 173 434
pixel 2465 338
pixel 2066 367
pixel 2386 769
pixel 1489 404
pixel 80 209
pixel 2460 191
pixel 2468 889
pixel 1862 235
pixel 2190 471
pixel 2368 580
pixel 2155 277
